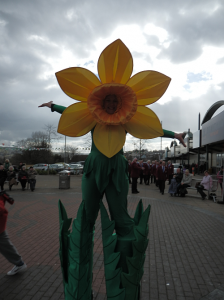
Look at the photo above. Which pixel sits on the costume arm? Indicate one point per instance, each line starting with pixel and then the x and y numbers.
pixel 171 134
pixel 168 134
pixel 57 108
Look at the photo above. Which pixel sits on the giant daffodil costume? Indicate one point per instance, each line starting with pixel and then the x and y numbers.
pixel 105 171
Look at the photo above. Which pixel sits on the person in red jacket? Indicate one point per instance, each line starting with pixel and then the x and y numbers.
pixel 135 173
pixel 152 171
pixel 141 175
pixel 146 173
pixel 170 171
pixel 162 177
pixel 157 164
pixel 149 171
pixel 7 249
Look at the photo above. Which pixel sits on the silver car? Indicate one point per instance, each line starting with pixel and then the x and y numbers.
pixel 76 169
pixel 42 167
pixel 176 166
pixel 56 167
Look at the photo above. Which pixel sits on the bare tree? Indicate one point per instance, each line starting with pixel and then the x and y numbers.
pixel 71 150
pixel 38 139
pixel 51 133
pixel 138 145
pixel 88 140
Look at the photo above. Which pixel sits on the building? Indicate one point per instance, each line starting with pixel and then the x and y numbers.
pixel 205 146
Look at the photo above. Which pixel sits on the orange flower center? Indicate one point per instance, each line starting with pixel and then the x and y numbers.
pixel 125 108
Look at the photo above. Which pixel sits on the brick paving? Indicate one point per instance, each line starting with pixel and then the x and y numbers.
pixel 184 259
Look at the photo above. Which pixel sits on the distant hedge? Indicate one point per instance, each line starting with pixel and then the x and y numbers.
pixel 43 172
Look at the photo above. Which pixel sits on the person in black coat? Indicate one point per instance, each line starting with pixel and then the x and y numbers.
pixel 23 177
pixel 20 166
pixel 3 176
pixel 135 173
pixel 178 176
pixel 162 176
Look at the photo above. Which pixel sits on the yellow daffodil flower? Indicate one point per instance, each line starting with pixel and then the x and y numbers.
pixel 115 66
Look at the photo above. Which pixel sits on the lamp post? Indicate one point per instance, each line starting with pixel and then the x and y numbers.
pixel 199 127
pixel 161 145
pixel 65 150
pixel 223 187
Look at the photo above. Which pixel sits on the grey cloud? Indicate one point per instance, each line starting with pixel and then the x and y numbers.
pixel 188 33
pixel 181 51
pixel 152 40
pixel 24 60
pixel 178 115
pixel 220 61
pixel 142 56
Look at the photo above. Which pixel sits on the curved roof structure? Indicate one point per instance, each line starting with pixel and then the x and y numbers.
pixel 210 112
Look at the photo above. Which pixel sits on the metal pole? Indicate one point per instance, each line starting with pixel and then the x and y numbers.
pixel 199 128
pixel 223 187
pixel 207 157
pixel 140 149
pixel 65 150
pixel 161 142
pixel 188 164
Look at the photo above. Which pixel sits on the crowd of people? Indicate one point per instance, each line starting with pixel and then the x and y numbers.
pixel 8 175
pixel 158 172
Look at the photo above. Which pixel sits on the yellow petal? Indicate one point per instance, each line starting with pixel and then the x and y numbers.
pixel 109 139
pixel 149 86
pixel 77 83
pixel 144 125
pixel 115 63
pixel 76 120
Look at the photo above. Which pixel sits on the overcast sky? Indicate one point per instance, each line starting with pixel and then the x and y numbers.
pixel 182 39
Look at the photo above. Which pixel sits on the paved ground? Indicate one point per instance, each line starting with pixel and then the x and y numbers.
pixel 185 256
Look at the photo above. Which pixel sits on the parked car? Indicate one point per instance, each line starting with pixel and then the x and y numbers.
pixel 56 167
pixel 63 164
pixel 176 166
pixel 82 162
pixel 76 169
pixel 43 167
pixel 78 163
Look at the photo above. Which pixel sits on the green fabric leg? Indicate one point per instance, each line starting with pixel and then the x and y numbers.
pixel 126 253
pixel 91 196
pixel 117 203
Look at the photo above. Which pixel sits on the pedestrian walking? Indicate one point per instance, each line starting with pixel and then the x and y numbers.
pixel 23 177
pixel 135 173
pixel 7 164
pixel 170 171
pixel 162 177
pixel 3 176
pixel 32 178
pixel 7 249
pixel 11 177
